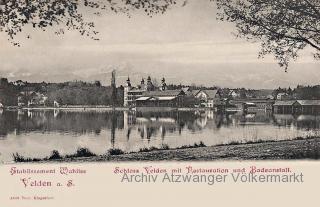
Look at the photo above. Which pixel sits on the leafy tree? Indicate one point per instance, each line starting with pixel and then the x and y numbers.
pixel 283 26
pixel 15 15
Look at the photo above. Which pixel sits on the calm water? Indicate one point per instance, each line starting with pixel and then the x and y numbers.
pixel 37 133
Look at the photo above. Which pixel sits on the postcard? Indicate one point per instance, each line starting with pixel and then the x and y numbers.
pixel 159 102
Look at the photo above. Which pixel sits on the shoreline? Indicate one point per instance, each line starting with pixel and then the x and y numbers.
pixel 109 108
pixel 273 150
pixel 299 148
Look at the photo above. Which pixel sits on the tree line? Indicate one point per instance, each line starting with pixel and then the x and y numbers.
pixel 67 93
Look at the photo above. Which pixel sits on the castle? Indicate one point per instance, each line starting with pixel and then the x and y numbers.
pixel 131 94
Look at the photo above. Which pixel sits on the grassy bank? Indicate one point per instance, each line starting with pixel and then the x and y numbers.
pixel 299 148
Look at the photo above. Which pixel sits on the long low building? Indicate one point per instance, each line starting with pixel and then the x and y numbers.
pixel 253 104
pixel 297 107
pixel 168 98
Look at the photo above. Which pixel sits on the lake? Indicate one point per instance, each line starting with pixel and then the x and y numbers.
pixel 35 133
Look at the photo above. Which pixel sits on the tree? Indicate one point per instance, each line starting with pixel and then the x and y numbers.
pixel 283 26
pixel 97 83
pixel 15 15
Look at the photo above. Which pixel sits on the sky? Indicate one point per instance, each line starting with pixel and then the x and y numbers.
pixel 185 45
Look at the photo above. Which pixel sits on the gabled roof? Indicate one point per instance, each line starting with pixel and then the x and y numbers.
pixel 163 93
pixel 210 93
pixel 195 92
pixel 186 89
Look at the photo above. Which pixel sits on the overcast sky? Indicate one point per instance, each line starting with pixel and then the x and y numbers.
pixel 186 45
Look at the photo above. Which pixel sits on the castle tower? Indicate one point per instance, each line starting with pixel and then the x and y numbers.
pixel 128 82
pixel 150 86
pixel 142 85
pixel 163 85
pixel 127 88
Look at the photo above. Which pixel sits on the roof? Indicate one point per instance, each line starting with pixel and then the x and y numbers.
pixel 135 90
pixel 210 93
pixel 161 98
pixel 282 94
pixel 195 92
pixel 143 98
pixel 185 89
pixel 301 102
pixel 163 93
pixel 285 103
pixel 250 103
pixel 166 98
pixel 309 102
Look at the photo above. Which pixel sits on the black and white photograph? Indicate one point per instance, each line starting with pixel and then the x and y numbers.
pixel 85 81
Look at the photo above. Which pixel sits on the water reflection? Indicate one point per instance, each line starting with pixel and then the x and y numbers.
pixel 148 124
pixel 36 132
pixel 76 123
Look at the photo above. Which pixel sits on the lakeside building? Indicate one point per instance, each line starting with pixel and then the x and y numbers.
pixel 149 95
pixel 252 104
pixel 31 98
pixel 283 96
pixel 297 107
pixel 131 93
pixel 208 98
pixel 167 98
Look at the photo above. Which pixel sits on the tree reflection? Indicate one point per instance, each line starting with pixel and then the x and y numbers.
pixel 146 124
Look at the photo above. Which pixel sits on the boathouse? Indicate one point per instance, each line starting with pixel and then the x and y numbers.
pixel 297 107
pixel 253 104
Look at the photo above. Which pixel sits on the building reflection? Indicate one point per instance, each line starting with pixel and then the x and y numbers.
pixel 145 125
pixel 306 122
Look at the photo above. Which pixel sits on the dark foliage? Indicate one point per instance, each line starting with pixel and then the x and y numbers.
pixel 115 151
pixel 284 27
pixel 55 155
pixel 19 158
pixel 63 15
pixel 81 152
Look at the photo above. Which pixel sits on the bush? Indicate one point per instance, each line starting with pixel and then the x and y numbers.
pixel 145 149
pixel 19 158
pixel 164 147
pixel 115 151
pixel 201 144
pixel 195 145
pixel 82 152
pixel 55 155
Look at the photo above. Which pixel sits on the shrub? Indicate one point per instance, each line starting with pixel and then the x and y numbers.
pixel 19 158
pixel 145 149
pixel 55 155
pixel 83 152
pixel 195 145
pixel 115 151
pixel 201 144
pixel 164 147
